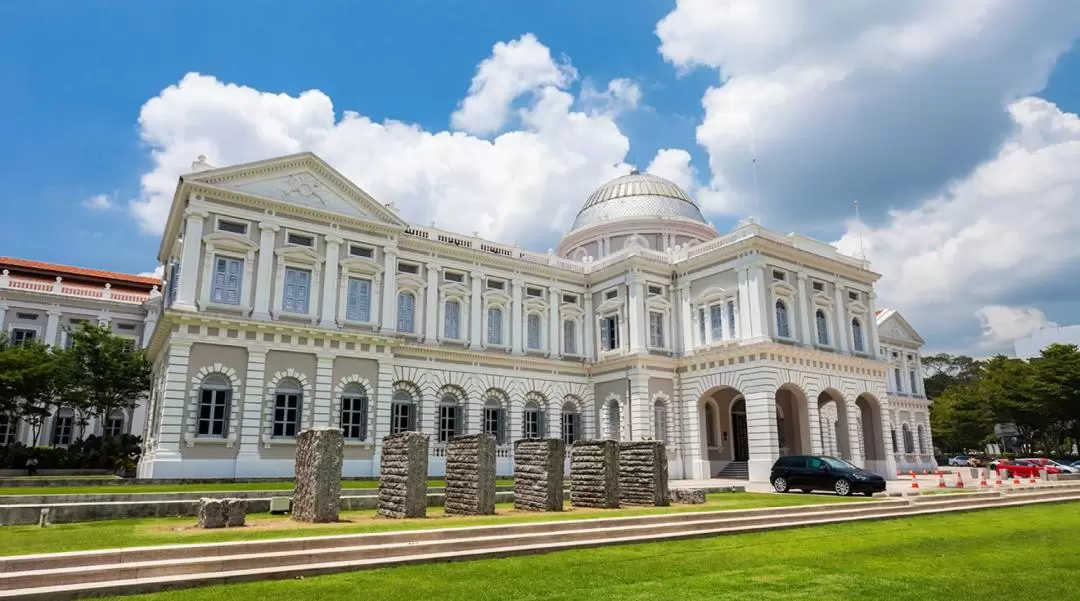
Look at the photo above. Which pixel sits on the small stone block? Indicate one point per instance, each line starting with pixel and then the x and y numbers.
pixel 687 496
pixel 470 475
pixel 235 512
pixel 211 513
pixel 643 473
pixel 594 474
pixel 538 474
pixel 319 456
pixel 403 472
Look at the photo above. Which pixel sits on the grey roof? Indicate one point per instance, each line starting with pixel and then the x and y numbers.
pixel 637 195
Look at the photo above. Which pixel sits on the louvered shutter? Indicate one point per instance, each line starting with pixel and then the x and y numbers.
pixel 302 291
pixel 233 279
pixel 289 302
pixel 412 417
pixel 541 424
pixel 500 425
pixel 174 282
pixel 605 334
pixel 459 420
pixel 363 300
pixel 221 267
pixel 352 300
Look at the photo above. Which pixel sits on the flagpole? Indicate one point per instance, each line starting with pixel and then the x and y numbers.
pixel 858 219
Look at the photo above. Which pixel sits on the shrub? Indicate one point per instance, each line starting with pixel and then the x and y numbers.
pixel 116 453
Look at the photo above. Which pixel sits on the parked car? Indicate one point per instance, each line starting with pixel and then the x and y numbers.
pixel 959 461
pixel 1065 469
pixel 807 473
pixel 1075 463
pixel 1025 469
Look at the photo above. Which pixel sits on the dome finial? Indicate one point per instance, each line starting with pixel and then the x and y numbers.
pixel 634 171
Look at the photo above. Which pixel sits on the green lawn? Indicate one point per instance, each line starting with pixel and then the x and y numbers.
pixel 232 486
pixel 21 540
pixel 949 557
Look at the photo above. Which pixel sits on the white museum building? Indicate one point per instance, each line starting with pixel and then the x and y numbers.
pixel 294 299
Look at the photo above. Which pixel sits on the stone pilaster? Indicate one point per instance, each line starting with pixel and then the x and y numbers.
pixel 252 406
pixel 264 273
pixel 761 430
pixel 554 323
pixel 841 329
pixel 517 321
pixel 431 305
pixel 327 317
pixel 388 315
pixel 192 253
pixel 324 392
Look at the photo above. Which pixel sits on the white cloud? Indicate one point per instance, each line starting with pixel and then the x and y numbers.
pixel 99 202
pixel 1007 230
pixel 674 165
pixel 878 101
pixel 158 272
pixel 1001 325
pixel 621 95
pixel 524 184
pixel 513 69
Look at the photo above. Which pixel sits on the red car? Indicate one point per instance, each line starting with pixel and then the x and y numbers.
pixel 1022 468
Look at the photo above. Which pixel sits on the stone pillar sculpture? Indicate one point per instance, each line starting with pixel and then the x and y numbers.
pixel 403 476
pixel 594 474
pixel 538 474
pixel 470 475
pixel 319 454
pixel 643 473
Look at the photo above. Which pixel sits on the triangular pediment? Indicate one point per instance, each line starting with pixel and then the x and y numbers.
pixel 300 179
pixel 893 326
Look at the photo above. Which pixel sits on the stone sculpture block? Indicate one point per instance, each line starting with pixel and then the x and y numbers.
pixel 643 473
pixel 211 513
pixel 687 496
pixel 319 454
pixel 470 475
pixel 594 474
pixel 538 474
pixel 403 476
pixel 235 512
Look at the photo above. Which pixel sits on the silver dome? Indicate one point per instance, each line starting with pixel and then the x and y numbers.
pixel 637 195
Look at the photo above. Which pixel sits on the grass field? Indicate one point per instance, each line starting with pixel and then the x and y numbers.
pixel 20 540
pixel 232 486
pixel 954 557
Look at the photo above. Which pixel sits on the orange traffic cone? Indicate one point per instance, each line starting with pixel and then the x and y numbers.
pixel 997 481
pixel 959 481
pixel 941 481
pixel 982 479
pixel 914 481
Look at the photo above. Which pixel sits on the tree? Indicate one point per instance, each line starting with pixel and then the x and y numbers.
pixel 1012 393
pixel 1057 383
pixel 28 383
pixel 961 418
pixel 943 370
pixel 102 372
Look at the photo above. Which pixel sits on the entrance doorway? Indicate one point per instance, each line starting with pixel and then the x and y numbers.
pixel 740 439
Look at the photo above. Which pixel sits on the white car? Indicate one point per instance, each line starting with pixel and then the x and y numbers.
pixel 959 461
pixel 1065 469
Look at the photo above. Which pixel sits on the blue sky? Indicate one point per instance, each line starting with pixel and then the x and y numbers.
pixel 917 126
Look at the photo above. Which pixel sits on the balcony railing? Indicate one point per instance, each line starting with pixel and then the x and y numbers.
pixel 60 288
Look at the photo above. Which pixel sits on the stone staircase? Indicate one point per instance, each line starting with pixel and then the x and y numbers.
pixel 148 569
pixel 736 470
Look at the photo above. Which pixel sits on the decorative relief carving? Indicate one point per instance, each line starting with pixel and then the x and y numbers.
pixel 303 184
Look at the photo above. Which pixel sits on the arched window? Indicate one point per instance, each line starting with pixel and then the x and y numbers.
pixel 495 419
pixel 660 420
pixel 783 326
pixel 406 312
pixel 452 320
pixel 354 412
pixel 114 424
pixel 449 417
pixel 570 337
pixel 63 427
pixel 495 322
pixel 895 442
pixel 402 412
pixel 533 331
pixel 822 327
pixel 710 426
pixel 856 333
pixel 909 441
pixel 922 439
pixel 611 420
pixel 532 421
pixel 571 423
pixel 288 405
pixel 215 402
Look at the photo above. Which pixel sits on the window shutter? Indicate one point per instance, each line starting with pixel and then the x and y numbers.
pixel 302 291
pixel 233 280
pixel 363 299
pixel 500 425
pixel 541 424
pixel 605 334
pixel 352 300
pixel 459 420
pixel 220 274
pixel 412 417
pixel 289 303
pixel 174 282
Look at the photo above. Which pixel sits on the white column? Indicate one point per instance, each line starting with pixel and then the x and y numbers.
pixel 330 283
pixel 3 312
pixel 640 417
pixel 636 318
pixel 841 321
pixel 554 298
pixel 324 390
pixel 759 298
pixel 431 305
pixel 389 296
pixel 251 412
pixel 588 327
pixel 173 403
pixel 264 273
pixel 190 260
pixel 854 434
pixel 686 319
pixel 745 302
pixel 52 327
pixel 804 312
pixel 516 320
pixel 761 430
pixel 708 324
pixel 871 318
pixel 149 325
pixel 379 409
pixel 476 311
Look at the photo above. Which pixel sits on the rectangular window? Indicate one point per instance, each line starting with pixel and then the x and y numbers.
pixel 533 323
pixel 63 426
pixel 569 299
pixel 914 386
pixel 300 240
pixel 232 227
pixel 494 418
pixel 358 300
pixel 27 316
pixel 853 295
pixel 297 290
pixel 452 320
pixel 228 277
pixel 610 294
pixel 114 426
pixel 609 333
pixel 354 417
pixel 364 252
pixel 778 275
pixel 570 427
pixel 656 290
pixel 701 326
pixel 453 276
pixel 731 318
pixel 495 324
pixel 408 268
pixel 8 430
pixel 534 292
pixel 660 422
pixel 449 422
pixel 22 335
pixel 213 421
pixel 569 337
pixel 531 427
pixel 656 329
pixel 716 316
pixel 819 287
pixel 401 417
pixel 406 310
pixel 496 284
pixel 896 377
pixel 286 415
pixel 129 327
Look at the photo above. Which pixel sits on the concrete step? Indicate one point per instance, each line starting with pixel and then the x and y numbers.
pixel 235 562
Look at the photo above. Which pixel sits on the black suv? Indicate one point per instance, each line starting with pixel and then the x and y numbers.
pixel 807 473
